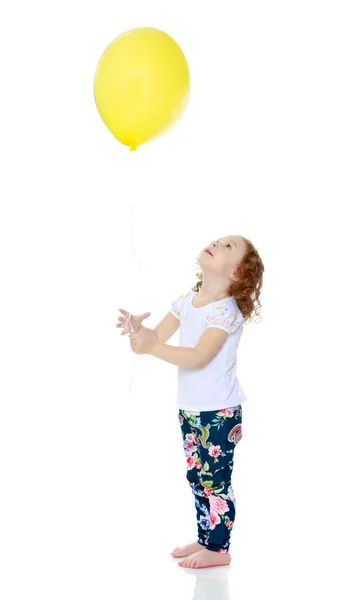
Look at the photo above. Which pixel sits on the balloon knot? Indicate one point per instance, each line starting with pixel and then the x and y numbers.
pixel 132 148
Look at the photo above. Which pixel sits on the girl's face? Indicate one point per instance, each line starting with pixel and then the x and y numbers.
pixel 222 256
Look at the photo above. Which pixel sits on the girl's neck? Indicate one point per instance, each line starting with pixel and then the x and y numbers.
pixel 212 294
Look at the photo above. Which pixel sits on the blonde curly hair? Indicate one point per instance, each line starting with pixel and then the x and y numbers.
pixel 247 289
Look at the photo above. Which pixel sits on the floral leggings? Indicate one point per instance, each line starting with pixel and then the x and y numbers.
pixel 209 441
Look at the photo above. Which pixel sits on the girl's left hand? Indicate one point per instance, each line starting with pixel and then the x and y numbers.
pixel 143 341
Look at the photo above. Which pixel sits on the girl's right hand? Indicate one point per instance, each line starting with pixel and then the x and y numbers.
pixel 136 321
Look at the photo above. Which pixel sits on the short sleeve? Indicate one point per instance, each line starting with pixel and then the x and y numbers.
pixel 176 306
pixel 224 318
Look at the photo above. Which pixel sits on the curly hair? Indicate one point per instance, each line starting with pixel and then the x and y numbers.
pixel 247 289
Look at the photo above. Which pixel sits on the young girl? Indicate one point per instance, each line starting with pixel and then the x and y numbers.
pixel 209 397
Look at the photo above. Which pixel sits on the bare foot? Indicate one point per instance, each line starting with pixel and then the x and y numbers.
pixel 205 558
pixel 182 551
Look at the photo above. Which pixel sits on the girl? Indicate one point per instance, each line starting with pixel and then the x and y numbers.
pixel 209 397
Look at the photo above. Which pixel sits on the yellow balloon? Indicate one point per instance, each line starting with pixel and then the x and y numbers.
pixel 141 85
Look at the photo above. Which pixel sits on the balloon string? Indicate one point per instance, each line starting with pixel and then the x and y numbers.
pixel 139 265
pixel 135 360
pixel 131 234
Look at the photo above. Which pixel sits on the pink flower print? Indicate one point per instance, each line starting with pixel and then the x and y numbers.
pixel 181 420
pixel 214 451
pixel 226 412
pixel 198 465
pixel 190 441
pixel 191 437
pixel 190 462
pixel 222 551
pixel 218 505
pixel 190 447
pixel 214 519
pixel 229 524
pixel 207 492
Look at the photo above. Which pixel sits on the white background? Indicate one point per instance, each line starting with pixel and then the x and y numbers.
pixel 93 490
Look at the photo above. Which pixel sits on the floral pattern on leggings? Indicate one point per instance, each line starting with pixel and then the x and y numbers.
pixel 209 441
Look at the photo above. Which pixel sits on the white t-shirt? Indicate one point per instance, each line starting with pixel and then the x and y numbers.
pixel 214 386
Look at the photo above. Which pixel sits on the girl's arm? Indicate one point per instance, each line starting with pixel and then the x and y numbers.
pixel 167 327
pixel 189 358
pixel 206 349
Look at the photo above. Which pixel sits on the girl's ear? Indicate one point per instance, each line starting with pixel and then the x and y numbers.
pixel 236 276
